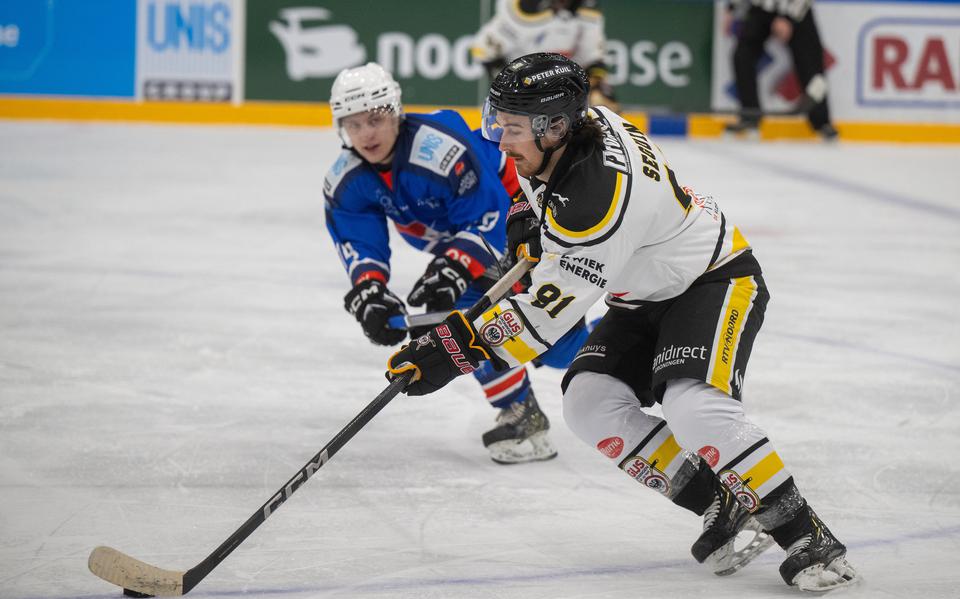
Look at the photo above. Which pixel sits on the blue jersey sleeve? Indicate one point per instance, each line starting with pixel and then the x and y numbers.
pixel 356 223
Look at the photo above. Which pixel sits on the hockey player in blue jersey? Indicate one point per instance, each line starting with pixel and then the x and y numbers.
pixel 446 190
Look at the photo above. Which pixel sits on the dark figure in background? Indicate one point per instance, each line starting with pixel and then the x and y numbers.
pixel 792 22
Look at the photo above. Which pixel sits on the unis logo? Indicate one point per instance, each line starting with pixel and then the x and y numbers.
pixel 427 147
pixel 907 62
pixel 186 50
pixel 196 27
pixel 435 151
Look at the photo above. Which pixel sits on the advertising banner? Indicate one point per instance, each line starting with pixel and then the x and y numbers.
pixel 189 50
pixel 660 53
pixel 65 47
pixel 295 48
pixel 885 62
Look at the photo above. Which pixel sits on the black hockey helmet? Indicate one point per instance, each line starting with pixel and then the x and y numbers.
pixel 549 88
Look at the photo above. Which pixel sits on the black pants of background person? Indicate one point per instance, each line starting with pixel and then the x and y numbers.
pixel 805 48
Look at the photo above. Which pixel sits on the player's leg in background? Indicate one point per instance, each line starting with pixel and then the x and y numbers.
pixel 753 33
pixel 521 429
pixel 807 51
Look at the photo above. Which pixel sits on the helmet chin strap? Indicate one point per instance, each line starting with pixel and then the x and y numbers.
pixel 548 153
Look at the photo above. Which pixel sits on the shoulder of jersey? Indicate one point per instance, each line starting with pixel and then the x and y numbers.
pixel 589 204
pixel 346 163
pixel 433 149
pixel 590 10
pixel 527 12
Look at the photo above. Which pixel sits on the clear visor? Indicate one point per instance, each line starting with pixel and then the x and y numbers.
pixel 499 125
pixel 354 126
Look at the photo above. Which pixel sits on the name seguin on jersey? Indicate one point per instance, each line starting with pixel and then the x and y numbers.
pixel 650 167
pixel 615 154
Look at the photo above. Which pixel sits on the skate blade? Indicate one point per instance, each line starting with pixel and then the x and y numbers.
pixel 728 559
pixel 837 574
pixel 535 448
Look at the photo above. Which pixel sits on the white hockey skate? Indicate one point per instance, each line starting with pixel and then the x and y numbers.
pixel 724 522
pixel 820 579
pixel 816 562
pixel 751 540
pixel 521 434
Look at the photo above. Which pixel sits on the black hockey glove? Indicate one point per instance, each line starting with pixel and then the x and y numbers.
pixel 452 348
pixel 373 304
pixel 523 231
pixel 441 285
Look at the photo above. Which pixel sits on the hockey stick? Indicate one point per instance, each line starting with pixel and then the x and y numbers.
pixel 409 321
pixel 140 579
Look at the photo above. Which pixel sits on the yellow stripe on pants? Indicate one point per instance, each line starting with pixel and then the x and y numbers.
pixel 728 340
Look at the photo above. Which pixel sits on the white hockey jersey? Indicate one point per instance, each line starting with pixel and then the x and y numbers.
pixel 617 222
pixel 520 27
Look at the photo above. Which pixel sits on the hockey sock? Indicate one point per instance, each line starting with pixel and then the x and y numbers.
pixel 784 514
pixel 699 490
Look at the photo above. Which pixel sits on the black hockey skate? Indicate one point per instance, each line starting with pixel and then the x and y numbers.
pixel 816 561
pixel 723 522
pixel 520 435
pixel 746 127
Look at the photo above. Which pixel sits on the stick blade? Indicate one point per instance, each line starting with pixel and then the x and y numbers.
pixel 129 573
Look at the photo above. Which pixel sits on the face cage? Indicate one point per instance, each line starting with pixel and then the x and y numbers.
pixel 386 109
pixel 538 125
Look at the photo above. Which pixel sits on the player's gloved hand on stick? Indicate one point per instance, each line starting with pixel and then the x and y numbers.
pixel 372 304
pixel 523 231
pixel 441 285
pixel 450 349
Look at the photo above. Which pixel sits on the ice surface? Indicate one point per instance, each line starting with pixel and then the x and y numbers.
pixel 173 347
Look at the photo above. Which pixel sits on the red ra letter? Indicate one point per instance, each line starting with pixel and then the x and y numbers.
pixel 934 66
pixel 887 65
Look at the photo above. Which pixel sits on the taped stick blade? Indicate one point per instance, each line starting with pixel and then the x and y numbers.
pixel 124 571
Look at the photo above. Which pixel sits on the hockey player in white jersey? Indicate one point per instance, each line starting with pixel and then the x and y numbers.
pixel 574 28
pixel 604 215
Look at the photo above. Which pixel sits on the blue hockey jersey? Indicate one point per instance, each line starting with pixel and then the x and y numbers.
pixel 443 193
